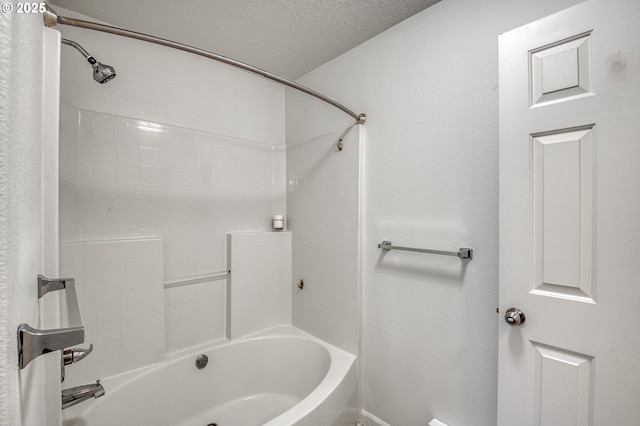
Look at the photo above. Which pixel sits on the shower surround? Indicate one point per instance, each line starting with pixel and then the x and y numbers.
pixel 124 179
pixel 185 158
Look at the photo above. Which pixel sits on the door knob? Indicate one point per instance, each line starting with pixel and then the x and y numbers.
pixel 514 316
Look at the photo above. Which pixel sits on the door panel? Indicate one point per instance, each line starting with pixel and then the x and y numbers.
pixel 562 384
pixel 569 208
pixel 562 186
pixel 561 71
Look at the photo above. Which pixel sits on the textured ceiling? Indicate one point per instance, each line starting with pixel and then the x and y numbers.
pixel 287 37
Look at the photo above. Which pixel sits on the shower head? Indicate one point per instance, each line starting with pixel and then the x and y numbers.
pixel 101 73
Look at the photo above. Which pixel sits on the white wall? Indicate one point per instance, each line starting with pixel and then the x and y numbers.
pixel 260 281
pixel 176 146
pixel 22 393
pixel 164 85
pixel 323 207
pixel 125 177
pixel 120 292
pixel 429 89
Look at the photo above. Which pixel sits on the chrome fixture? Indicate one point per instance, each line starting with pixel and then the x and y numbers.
pixel 33 342
pixel 78 394
pixel 45 285
pixel 340 145
pixel 462 253
pixel 514 316
pixel 51 19
pixel 71 356
pixel 301 284
pixel 101 73
pixel 202 361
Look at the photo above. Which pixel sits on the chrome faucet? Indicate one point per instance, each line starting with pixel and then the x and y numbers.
pixel 71 356
pixel 33 342
pixel 78 394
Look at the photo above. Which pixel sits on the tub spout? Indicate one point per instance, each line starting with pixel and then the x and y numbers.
pixel 78 394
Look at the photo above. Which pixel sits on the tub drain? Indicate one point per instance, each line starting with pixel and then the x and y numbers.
pixel 201 362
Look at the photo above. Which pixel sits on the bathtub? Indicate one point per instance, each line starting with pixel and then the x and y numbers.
pixel 279 377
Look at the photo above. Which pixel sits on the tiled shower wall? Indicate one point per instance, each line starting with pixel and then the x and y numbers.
pixel 323 206
pixel 129 178
pixel 120 295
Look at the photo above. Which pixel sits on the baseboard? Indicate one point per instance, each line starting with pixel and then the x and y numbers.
pixel 368 419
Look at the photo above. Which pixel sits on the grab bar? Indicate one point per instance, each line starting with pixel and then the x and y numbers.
pixel 196 279
pixel 33 342
pixel 462 253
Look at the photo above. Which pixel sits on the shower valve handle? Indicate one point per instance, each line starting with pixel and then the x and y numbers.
pixel 74 355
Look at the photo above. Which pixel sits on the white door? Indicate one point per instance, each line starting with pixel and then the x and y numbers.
pixel 570 218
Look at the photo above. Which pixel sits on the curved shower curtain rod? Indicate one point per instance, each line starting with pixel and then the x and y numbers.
pixel 51 19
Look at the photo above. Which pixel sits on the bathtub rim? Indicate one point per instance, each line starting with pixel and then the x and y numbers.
pixel 341 368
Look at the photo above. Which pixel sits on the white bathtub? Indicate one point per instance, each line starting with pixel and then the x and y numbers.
pixel 279 377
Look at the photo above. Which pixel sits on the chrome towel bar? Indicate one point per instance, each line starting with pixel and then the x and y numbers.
pixel 33 342
pixel 462 253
